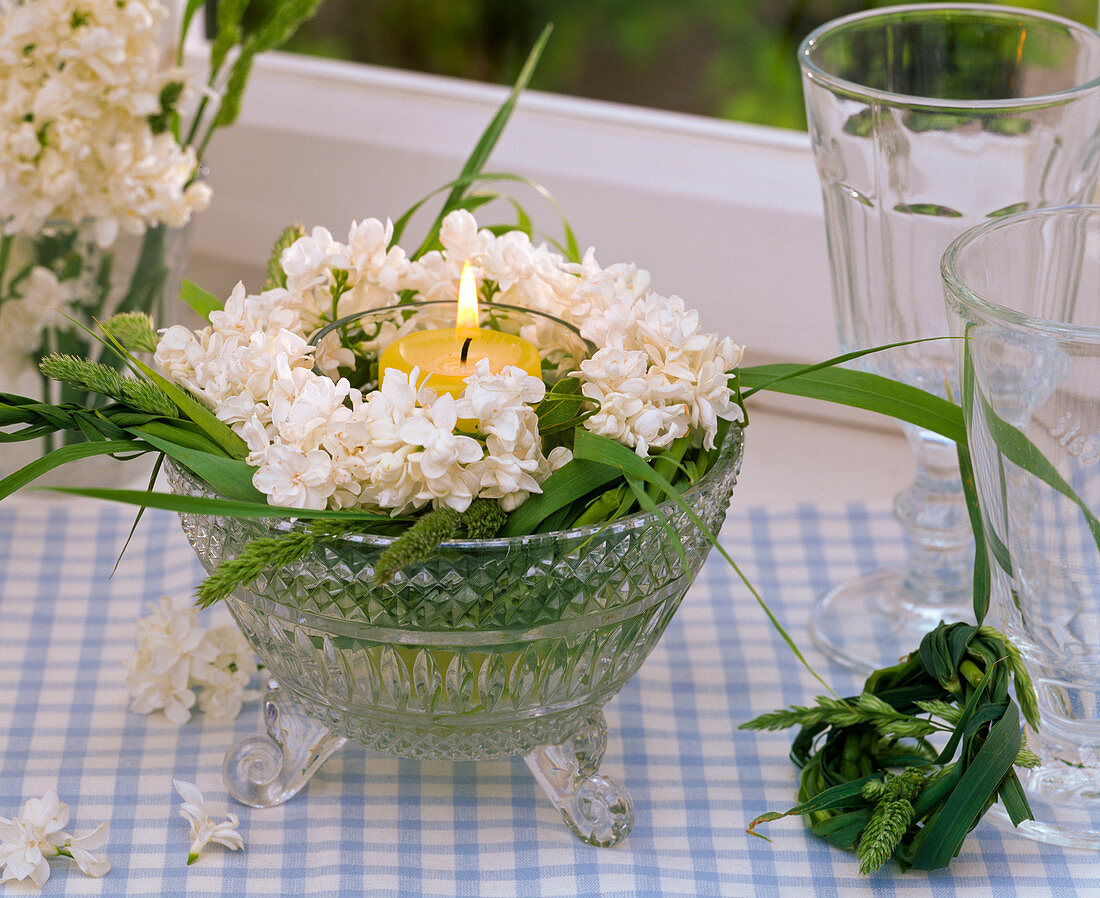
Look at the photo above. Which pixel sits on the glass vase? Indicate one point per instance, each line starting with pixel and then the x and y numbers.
pixel 488 648
pixel 53 285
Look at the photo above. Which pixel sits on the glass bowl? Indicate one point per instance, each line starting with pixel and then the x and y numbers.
pixel 488 648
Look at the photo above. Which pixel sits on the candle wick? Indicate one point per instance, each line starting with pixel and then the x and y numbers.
pixel 465 349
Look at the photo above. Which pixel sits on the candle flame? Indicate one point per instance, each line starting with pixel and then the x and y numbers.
pixel 467 300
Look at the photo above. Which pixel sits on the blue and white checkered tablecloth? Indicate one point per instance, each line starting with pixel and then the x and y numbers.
pixel 369 824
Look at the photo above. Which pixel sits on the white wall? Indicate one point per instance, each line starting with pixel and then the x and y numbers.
pixel 724 214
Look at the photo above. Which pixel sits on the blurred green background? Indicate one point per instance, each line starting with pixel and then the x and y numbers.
pixel 732 59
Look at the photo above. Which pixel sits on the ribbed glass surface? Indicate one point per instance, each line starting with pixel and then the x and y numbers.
pixel 488 648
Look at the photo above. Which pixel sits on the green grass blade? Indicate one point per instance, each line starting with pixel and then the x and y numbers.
pixel 942 836
pixel 488 141
pixel 648 505
pixel 61 456
pixel 201 301
pixel 982 577
pixel 140 513
pixel 800 370
pixel 570 482
pixel 193 6
pixel 221 507
pixel 1023 453
pixel 591 447
pixel 861 389
pixel 182 433
pixel 222 434
pixel 229 476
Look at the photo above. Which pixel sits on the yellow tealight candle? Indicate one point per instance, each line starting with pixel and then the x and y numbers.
pixel 447 356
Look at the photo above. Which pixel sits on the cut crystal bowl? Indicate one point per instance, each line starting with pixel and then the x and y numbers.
pixel 486 649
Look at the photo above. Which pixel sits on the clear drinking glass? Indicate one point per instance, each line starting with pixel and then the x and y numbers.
pixel 1025 293
pixel 925 121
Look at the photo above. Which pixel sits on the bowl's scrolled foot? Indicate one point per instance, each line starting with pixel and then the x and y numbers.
pixel 263 771
pixel 595 807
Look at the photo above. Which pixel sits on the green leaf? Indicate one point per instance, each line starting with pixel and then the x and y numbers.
pixel 484 147
pixel 982 577
pixel 572 481
pixel 942 836
pixel 200 301
pixel 860 389
pixel 229 476
pixel 592 447
pixel 205 506
pixel 228 31
pixel 219 432
pixel 1023 453
pixel 178 431
pixel 276 277
pixel 570 250
pixel 61 456
pixel 840 796
pixel 193 6
pixel 646 504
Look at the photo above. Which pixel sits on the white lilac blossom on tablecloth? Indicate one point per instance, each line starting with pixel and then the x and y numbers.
pixel 318 441
pixel 30 839
pixel 175 655
pixel 204 829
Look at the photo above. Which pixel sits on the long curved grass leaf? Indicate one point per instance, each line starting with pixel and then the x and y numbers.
pixel 860 389
pixel 570 250
pixel 603 450
pixel 182 433
pixel 488 141
pixel 218 431
pixel 202 302
pixel 645 503
pixel 572 481
pixel 982 578
pixel 1023 453
pixel 229 476
pixel 193 6
pixel 842 795
pixel 222 507
pixel 61 456
pixel 140 513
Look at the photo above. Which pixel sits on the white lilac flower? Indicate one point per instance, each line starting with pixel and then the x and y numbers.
pixel 463 241
pixel 81 78
pixel 500 403
pixel 308 262
pixel 30 839
pixel 204 829
pixel 302 419
pixel 441 455
pixel 318 442
pixel 42 301
pixel 174 655
pixel 371 257
pixel 169 644
pixel 224 678
pixel 295 479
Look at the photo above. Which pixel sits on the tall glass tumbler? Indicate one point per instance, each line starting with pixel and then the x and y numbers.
pixel 1024 292
pixel 926 120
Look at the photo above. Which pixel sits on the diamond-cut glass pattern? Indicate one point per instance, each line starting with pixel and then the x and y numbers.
pixel 488 648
